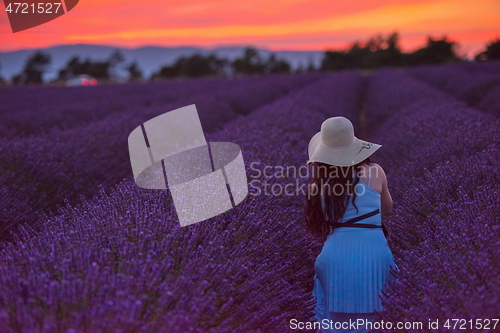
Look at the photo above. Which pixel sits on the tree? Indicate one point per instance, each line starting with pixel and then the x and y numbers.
pixel 358 53
pixel 115 59
pixel 18 79
pixel 274 65
pixel 437 51
pixel 134 72
pixel 250 63
pixel 492 51
pixel 310 66
pixel 388 53
pixel 376 52
pixel 335 60
pixel 33 70
pixel 99 70
pixel 71 69
pixel 2 80
pixel 166 72
pixel 196 65
pixel 300 69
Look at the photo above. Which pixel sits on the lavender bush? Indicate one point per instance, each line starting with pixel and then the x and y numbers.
pixel 26 111
pixel 44 170
pixel 491 101
pixel 32 110
pixel 490 66
pixel 471 87
pixel 384 98
pixel 121 262
pixel 441 159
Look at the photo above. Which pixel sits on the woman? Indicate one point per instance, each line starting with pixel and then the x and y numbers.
pixel 354 264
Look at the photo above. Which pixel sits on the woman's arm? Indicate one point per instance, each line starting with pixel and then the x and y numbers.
pixel 385 195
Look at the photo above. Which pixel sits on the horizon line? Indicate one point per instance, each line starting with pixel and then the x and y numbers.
pixel 222 46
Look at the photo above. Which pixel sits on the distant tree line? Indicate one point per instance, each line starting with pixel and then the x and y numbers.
pixel 39 62
pixel 379 52
pixel 376 52
pixel 199 65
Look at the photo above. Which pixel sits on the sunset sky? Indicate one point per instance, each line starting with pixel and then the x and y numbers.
pixel 272 24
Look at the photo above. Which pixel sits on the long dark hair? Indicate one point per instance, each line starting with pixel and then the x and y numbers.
pixel 324 180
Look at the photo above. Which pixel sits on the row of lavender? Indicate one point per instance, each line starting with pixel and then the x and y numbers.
pixel 39 172
pixel 490 66
pixel 121 262
pixel 26 111
pixel 442 160
pixel 32 110
pixel 478 85
pixel 432 143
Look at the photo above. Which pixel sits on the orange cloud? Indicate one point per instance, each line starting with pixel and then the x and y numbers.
pixel 280 24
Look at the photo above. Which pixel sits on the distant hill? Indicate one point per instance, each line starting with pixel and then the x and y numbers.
pixel 149 58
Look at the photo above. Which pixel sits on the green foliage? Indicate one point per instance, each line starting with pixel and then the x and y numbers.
pixel 33 70
pixel 252 63
pixel 384 52
pixel 2 80
pixel 134 72
pixel 98 69
pixel 115 59
pixel 492 51
pixel 274 65
pixel 196 65
pixel 376 52
pixel 310 66
pixel 438 51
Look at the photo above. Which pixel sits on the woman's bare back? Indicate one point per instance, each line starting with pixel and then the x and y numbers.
pixel 374 176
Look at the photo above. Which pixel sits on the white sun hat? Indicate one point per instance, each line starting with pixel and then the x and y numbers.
pixel 336 144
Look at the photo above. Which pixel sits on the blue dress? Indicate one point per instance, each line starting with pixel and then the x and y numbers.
pixel 354 264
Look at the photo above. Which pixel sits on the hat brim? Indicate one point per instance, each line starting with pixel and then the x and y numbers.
pixel 348 155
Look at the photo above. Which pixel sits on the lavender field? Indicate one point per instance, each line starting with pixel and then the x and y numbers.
pixel 83 249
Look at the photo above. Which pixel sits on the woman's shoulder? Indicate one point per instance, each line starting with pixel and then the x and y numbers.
pixel 373 169
pixel 371 165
